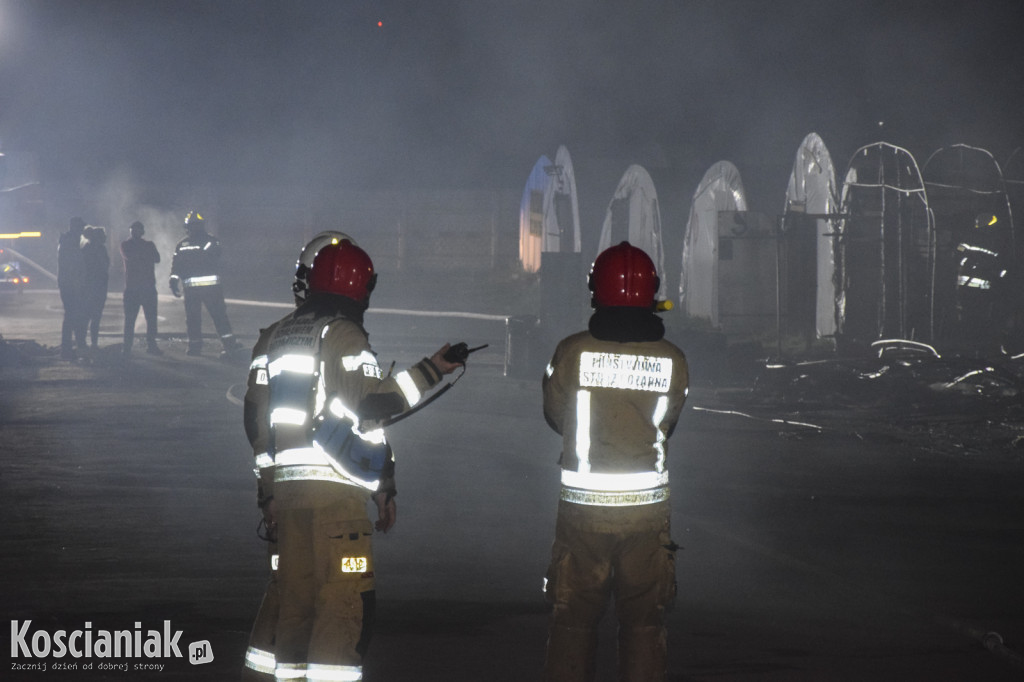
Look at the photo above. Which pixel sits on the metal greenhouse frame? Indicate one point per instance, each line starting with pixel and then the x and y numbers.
pixel 885 249
pixel 962 182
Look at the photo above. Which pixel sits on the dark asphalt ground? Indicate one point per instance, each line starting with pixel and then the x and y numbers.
pixel 859 552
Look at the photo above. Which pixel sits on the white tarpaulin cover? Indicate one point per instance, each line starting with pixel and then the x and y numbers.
pixel 812 190
pixel 549 215
pixel 531 215
pixel 720 190
pixel 561 207
pixel 633 216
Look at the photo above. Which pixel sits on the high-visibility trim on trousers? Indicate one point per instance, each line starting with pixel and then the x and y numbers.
pixel 261 661
pixel 334 673
pixel 290 671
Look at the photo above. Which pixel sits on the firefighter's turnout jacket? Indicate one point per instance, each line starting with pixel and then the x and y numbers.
pixel 980 266
pixel 195 274
pixel 615 404
pixel 311 365
pixel 196 261
pixel 983 292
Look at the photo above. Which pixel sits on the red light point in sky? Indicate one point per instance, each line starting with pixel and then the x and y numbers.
pixel 380 24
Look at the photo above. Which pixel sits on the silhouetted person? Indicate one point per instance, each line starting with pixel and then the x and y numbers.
pixel 70 282
pixel 140 259
pixel 195 269
pixel 97 276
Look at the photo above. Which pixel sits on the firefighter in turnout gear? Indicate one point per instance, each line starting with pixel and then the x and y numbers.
pixel 195 274
pixel 260 657
pixel 325 401
pixel 614 393
pixel 981 276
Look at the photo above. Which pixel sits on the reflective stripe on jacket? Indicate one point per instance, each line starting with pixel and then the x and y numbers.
pixel 320 362
pixel 615 405
pixel 196 257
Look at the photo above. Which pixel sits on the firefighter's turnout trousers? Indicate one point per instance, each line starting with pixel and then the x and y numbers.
pixel 212 296
pixel 601 551
pixel 324 579
pixel 260 659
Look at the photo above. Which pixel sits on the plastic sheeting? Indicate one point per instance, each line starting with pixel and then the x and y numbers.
pixel 633 216
pixel 812 190
pixel 549 215
pixel 721 189
pixel 561 207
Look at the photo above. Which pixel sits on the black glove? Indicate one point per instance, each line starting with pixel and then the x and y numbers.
pixel 459 353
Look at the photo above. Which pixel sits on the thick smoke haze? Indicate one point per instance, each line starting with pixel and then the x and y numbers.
pixel 448 93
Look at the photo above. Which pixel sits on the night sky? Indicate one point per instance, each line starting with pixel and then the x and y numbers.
pixel 317 92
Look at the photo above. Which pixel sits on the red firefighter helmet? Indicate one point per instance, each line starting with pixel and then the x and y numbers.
pixel 343 269
pixel 624 275
pixel 304 265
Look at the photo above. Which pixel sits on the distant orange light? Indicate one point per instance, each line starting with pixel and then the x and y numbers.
pixel 379 24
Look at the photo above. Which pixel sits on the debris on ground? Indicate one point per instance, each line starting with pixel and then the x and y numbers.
pixel 954 404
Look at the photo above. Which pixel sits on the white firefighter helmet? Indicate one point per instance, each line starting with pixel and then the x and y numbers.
pixel 304 265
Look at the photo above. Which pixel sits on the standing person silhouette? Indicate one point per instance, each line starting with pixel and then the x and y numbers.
pixel 70 281
pixel 140 258
pixel 97 277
